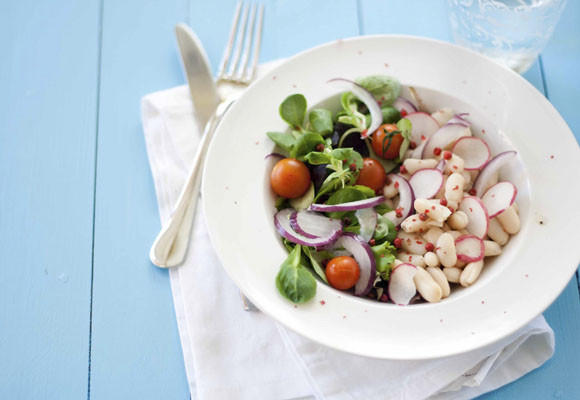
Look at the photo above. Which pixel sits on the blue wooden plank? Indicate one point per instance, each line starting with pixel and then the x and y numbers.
pixel 135 343
pixel 48 108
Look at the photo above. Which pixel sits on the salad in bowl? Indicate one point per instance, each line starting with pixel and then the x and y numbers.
pixel 385 199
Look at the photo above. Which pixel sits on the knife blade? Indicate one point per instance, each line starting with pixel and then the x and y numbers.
pixel 201 83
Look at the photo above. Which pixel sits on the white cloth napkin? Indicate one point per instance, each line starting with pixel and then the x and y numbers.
pixel 232 354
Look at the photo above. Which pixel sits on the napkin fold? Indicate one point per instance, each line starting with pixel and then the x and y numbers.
pixel 229 353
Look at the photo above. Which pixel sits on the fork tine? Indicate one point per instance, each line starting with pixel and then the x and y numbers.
pixel 257 45
pixel 247 47
pixel 231 39
pixel 239 43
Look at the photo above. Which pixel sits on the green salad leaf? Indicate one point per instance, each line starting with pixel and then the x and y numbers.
pixel 385 229
pixel 321 120
pixel 294 281
pixel 390 115
pixel 293 110
pixel 405 127
pixel 314 262
pixel 284 140
pixel 384 88
pixel 346 195
pixel 306 143
pixel 384 257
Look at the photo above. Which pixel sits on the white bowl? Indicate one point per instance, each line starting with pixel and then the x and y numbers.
pixel 518 285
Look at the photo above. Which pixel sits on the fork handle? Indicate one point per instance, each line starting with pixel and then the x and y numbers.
pixel 170 245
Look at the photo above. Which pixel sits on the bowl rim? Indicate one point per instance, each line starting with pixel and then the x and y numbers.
pixel 214 235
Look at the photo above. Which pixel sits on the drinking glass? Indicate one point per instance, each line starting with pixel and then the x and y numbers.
pixel 513 32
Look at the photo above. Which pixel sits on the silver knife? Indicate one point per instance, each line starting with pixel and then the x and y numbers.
pixel 202 87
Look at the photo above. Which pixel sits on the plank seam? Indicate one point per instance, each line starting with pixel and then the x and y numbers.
pixel 359 17
pixel 98 107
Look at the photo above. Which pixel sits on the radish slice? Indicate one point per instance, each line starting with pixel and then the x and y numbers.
pixel 367 219
pixel 282 222
pixel 440 165
pixel 404 106
pixel 477 216
pixel 406 200
pixel 499 197
pixel 423 126
pixel 401 284
pixel 481 182
pixel 368 99
pixel 474 151
pixel 446 135
pixel 417 151
pixel 352 206
pixel 469 248
pixel 313 225
pixel 426 183
pixel 365 258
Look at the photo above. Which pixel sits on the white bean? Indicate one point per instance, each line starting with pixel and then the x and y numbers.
pixel 433 234
pixel 452 205
pixel 455 234
pixel 446 227
pixel 509 220
pixel 390 190
pixel 516 206
pixel 454 187
pixel 427 287
pixel 415 259
pixel 452 274
pixel 432 208
pixel 473 174
pixel 471 273
pixel 443 115
pixel 414 224
pixel 460 264
pixel 445 250
pixel 431 259
pixel 496 233
pixel 491 248
pixel 441 191
pixel 413 165
pixel 467 176
pixel 412 243
pixel 458 220
pixel 454 164
pixel 397 262
pixel 439 277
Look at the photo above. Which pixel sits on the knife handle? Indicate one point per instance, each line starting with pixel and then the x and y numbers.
pixel 170 245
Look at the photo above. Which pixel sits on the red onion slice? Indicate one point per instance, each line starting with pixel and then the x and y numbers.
pixel 368 99
pixel 402 284
pixel 367 219
pixel 469 248
pixel 352 206
pixel 404 106
pixel 426 183
pixel 365 258
pixel 275 155
pixel 493 166
pixel 440 165
pixel 283 226
pixel 406 200
pixel 313 225
pixel 458 119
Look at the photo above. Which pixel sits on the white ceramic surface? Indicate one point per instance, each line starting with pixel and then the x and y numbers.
pixel 510 113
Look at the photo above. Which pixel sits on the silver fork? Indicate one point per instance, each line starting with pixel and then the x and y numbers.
pixel 170 246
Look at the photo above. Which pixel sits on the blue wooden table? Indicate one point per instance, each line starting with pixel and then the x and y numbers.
pixel 82 311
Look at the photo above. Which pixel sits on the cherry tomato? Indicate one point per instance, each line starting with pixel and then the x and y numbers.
pixel 372 175
pixel 290 178
pixel 381 145
pixel 342 272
